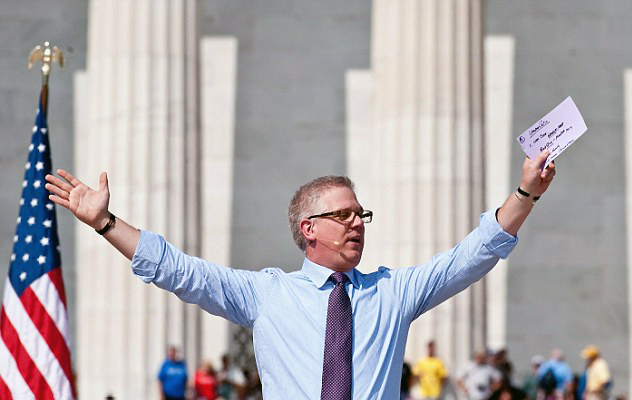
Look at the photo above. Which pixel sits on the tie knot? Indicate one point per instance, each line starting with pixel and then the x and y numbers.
pixel 338 277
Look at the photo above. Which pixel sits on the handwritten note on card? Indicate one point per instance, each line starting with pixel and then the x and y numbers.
pixel 554 132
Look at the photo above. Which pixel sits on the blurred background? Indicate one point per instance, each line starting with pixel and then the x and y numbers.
pixel 209 114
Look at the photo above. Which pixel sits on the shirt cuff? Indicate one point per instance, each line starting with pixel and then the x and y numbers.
pixel 496 239
pixel 149 252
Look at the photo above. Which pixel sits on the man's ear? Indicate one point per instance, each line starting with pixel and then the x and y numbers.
pixel 307 229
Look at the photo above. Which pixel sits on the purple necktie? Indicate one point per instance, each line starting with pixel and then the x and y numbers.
pixel 337 360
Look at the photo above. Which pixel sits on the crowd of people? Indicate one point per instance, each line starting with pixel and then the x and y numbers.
pixel 227 383
pixel 490 375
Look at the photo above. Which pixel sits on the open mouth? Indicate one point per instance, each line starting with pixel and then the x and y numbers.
pixel 355 240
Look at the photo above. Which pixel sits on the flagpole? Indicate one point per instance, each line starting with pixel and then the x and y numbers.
pixel 44 97
pixel 47 54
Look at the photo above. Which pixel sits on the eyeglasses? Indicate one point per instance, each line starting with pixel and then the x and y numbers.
pixel 347 215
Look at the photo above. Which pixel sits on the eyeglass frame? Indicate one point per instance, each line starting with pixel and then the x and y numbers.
pixel 362 214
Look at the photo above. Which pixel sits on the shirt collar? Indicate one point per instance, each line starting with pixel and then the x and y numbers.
pixel 319 274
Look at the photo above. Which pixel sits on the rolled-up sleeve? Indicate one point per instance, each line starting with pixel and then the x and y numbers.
pixel 425 286
pixel 149 252
pixel 494 237
pixel 236 295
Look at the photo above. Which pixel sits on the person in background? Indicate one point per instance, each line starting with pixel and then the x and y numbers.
pixel 231 380
pixel 530 382
pixel 205 382
pixel 554 377
pixel 172 377
pixel 581 383
pixel 252 388
pixel 506 391
pixel 431 373
pixel 502 363
pixel 573 388
pixel 479 379
pixel 407 378
pixel 598 377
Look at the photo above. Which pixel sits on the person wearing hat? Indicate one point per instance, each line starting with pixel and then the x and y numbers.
pixel 530 382
pixel 597 374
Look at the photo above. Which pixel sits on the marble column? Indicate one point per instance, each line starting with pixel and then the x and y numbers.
pixel 139 119
pixel 218 77
pixel 418 113
pixel 499 77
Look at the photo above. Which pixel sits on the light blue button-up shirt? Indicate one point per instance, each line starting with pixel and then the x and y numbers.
pixel 288 311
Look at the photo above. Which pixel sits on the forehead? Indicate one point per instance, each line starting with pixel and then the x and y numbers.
pixel 338 198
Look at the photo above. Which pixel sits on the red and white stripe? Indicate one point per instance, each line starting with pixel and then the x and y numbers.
pixel 34 351
pixel 46 292
pixel 9 373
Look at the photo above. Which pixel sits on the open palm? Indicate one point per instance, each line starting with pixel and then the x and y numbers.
pixel 88 205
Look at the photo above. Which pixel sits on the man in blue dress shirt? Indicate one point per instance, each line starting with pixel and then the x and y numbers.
pixel 288 311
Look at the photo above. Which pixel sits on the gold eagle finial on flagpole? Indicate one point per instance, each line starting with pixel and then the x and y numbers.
pixel 47 55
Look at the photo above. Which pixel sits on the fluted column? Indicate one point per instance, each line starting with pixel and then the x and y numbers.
pixel 218 81
pixel 426 144
pixel 138 118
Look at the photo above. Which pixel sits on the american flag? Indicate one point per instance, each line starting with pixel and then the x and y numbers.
pixel 34 339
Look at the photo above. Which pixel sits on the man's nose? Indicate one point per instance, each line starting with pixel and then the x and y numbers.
pixel 356 220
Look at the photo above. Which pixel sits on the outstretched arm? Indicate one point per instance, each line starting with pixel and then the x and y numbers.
pixel 91 208
pixel 236 295
pixel 535 181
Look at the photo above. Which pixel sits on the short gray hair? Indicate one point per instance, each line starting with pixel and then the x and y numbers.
pixel 304 200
